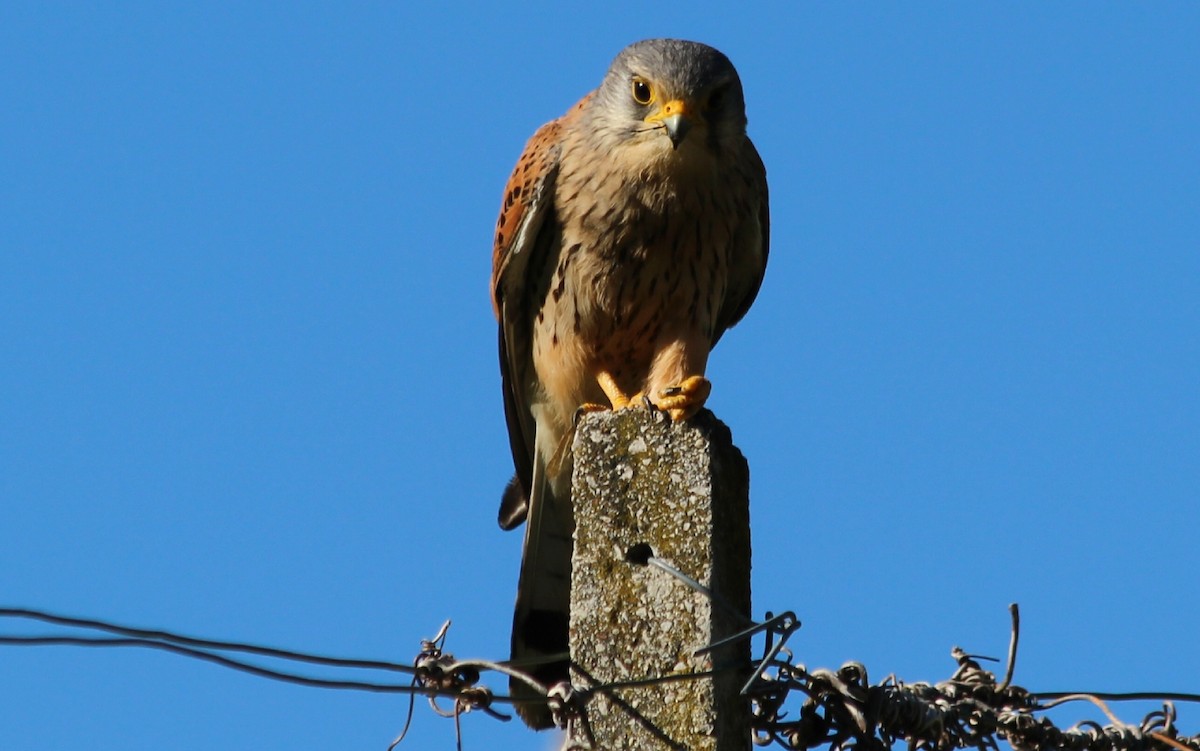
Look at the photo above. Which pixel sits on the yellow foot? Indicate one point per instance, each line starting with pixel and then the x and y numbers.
pixel 686 399
pixel 609 386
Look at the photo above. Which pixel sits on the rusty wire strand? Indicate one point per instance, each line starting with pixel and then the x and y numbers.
pixel 1054 698
pixel 1170 741
pixel 191 641
pixel 205 656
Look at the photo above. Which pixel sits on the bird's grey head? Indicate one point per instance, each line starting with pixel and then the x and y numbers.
pixel 672 92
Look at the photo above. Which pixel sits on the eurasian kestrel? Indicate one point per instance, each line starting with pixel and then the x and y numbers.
pixel 633 233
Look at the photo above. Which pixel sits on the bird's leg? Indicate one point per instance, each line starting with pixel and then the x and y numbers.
pixel 684 399
pixel 618 398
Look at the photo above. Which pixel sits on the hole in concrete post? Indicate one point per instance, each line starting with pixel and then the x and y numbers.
pixel 640 554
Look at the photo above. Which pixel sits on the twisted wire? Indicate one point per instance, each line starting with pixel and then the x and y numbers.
pixel 842 709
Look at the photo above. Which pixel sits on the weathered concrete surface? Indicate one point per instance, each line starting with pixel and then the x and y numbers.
pixel 681 489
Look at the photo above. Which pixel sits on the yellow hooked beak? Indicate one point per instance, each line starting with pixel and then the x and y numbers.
pixel 676 117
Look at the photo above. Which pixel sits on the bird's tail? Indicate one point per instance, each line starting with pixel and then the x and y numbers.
pixel 542 618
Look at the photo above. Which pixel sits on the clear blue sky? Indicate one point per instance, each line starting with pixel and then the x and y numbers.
pixel 248 385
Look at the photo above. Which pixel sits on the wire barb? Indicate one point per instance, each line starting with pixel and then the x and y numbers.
pixel 1014 610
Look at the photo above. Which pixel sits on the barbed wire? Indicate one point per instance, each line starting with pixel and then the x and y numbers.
pixel 837 709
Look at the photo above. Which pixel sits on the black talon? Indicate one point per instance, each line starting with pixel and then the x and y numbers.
pixel 579 413
pixel 653 408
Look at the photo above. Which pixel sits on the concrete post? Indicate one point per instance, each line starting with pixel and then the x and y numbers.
pixel 646 486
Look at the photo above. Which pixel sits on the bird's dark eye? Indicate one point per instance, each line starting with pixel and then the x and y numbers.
pixel 642 93
pixel 716 99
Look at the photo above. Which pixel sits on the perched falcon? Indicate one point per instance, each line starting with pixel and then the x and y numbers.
pixel 633 233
